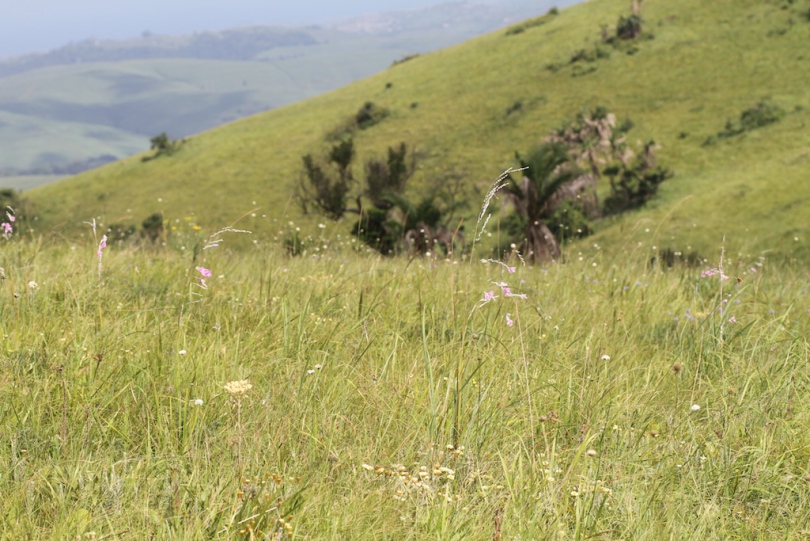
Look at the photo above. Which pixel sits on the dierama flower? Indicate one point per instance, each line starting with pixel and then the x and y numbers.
pixel 101 246
pixel 206 273
pixel 488 296
pixel 509 320
pixel 507 291
pixel 708 273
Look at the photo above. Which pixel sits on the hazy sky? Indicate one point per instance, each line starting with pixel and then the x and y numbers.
pixel 36 25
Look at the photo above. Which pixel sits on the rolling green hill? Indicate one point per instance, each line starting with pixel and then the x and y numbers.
pixel 112 96
pixel 707 63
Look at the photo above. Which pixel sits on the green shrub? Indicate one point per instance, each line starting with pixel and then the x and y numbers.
pixel 758 116
pixel 369 115
pixel 629 28
pixel 568 222
pixel 669 258
pixel 163 146
pixel 634 184
pixel 118 232
pixel 153 227
pixel 516 107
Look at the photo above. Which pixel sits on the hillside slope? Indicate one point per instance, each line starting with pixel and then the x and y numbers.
pixel 185 84
pixel 707 63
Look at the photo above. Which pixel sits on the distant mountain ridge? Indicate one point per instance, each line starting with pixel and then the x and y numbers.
pixel 246 43
pixel 236 44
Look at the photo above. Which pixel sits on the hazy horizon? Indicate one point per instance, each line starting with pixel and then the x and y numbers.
pixel 42 25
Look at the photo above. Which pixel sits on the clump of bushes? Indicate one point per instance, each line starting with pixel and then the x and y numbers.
pixel 633 184
pixel 581 57
pixel 119 232
pixel 388 220
pixel 555 198
pixel 758 116
pixel 163 146
pixel 367 116
pixel 629 27
pixel 152 229
pixel 668 257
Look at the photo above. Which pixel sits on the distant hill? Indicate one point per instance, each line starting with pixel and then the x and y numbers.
pixel 98 98
pixel 468 108
pixel 238 44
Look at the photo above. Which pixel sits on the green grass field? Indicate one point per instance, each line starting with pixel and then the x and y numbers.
pixel 389 402
pixel 341 395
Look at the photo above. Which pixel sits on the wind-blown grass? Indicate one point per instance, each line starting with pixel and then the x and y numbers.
pixel 387 403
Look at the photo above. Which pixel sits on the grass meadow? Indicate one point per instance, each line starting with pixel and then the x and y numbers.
pixel 345 396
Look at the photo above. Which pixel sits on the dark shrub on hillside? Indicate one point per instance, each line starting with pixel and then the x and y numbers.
pixel 634 184
pixel 326 187
pixel 761 114
pixel 369 114
pixel 153 227
pixel 629 27
pixel 163 146
pixel 758 116
pixel 569 222
pixel 117 233
pixel 669 258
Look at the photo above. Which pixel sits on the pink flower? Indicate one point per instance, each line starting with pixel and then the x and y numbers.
pixel 7 229
pixel 713 272
pixel 511 270
pixel 489 295
pixel 507 291
pixel 509 320
pixel 11 217
pixel 205 272
pixel 101 246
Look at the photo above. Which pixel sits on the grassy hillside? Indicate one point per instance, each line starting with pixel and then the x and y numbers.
pixel 183 85
pixel 707 63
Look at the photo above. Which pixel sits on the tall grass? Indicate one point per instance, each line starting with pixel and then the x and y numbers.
pixel 388 403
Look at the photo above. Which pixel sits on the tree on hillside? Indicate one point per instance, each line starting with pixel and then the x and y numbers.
pixel 557 194
pixel 634 183
pixel 592 139
pixel 550 178
pixel 387 217
pixel 163 146
pixel 328 191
